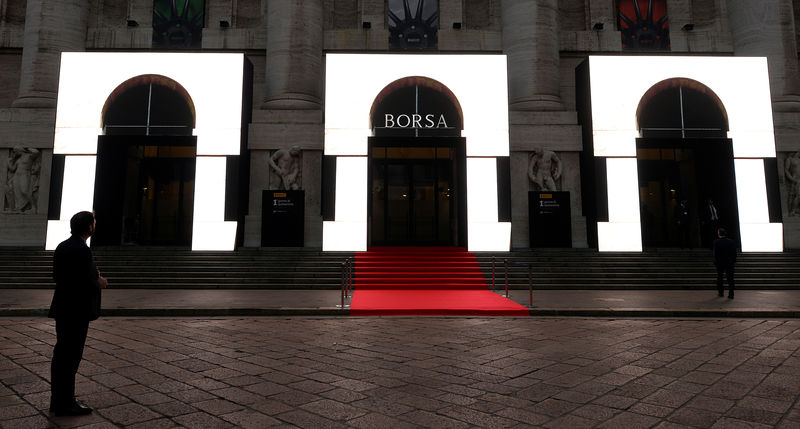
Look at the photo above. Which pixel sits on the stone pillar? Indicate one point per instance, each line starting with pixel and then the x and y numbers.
pixel 294 55
pixel 769 30
pixel 51 27
pixel 530 39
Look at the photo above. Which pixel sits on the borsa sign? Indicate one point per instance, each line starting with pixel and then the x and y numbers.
pixel 414 120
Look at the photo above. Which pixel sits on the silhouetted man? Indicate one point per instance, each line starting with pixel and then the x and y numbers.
pixel 76 302
pixel 682 222
pixel 724 250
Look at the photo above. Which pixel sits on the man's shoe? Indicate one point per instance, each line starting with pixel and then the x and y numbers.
pixel 730 296
pixel 74 410
pixel 720 294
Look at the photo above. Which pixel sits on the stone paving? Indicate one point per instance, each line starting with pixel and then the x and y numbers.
pixel 318 372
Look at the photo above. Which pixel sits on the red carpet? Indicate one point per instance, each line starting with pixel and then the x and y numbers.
pixel 424 281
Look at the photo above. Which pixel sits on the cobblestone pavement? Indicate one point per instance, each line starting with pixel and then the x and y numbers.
pixel 412 372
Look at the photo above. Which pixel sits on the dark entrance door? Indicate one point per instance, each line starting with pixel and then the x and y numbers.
pixel 695 170
pixel 144 190
pixel 414 191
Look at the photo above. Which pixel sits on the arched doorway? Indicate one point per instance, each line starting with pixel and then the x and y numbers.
pixel 417 193
pixel 683 153
pixel 145 177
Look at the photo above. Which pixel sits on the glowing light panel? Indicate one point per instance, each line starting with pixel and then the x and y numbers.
pixel 213 81
pixel 353 81
pixel 615 98
pixel 479 82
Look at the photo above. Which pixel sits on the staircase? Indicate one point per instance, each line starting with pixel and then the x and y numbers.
pixel 180 268
pixel 417 268
pixel 300 268
pixel 652 269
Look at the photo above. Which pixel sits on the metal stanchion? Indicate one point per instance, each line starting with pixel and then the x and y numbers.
pixel 530 287
pixel 505 266
pixel 344 281
pixel 493 259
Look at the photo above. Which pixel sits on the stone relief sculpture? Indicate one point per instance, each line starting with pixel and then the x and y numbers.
pixel 22 180
pixel 792 173
pixel 544 169
pixel 288 166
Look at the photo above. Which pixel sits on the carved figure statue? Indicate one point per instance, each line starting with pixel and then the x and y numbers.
pixel 792 173
pixel 287 165
pixel 22 180
pixel 544 169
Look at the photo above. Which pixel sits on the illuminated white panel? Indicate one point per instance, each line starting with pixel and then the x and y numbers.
pixel 78 191
pixel 623 190
pixel 344 236
pixel 484 232
pixel 76 141
pixel 485 142
pixel 750 182
pixel 208 235
pixel 351 189
pixel 619 237
pixel 209 231
pixel 213 81
pixel 208 140
pixel 616 95
pixel 622 232
pixel 620 143
pixel 77 195
pixel 57 231
pixel 479 82
pixel 346 141
pixel 761 237
pixel 489 236
pixel 349 231
pixel 481 190
pixel 757 234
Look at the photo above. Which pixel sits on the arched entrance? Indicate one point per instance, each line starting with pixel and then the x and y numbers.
pixel 683 153
pixel 145 177
pixel 417 165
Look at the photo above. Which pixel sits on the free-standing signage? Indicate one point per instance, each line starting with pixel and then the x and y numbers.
pixel 282 218
pixel 549 217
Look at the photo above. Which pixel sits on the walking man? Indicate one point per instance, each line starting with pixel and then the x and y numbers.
pixel 724 250
pixel 76 302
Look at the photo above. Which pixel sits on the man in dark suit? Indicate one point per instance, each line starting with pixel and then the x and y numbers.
pixel 76 302
pixel 710 221
pixel 724 250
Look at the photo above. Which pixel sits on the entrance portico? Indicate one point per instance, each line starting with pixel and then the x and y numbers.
pixel 477 82
pixel 613 89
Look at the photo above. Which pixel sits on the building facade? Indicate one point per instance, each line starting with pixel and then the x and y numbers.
pixel 344 124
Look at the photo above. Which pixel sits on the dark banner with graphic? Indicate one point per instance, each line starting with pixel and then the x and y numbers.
pixel 282 218
pixel 178 23
pixel 549 218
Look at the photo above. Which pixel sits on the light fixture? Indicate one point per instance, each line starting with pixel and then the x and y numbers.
pixel 224 24
pixel 132 23
pixel 456 26
pixel 366 25
pixel 597 26
pixel 688 27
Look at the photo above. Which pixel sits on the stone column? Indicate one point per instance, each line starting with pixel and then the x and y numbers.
pixel 51 27
pixel 530 39
pixel 294 55
pixel 769 30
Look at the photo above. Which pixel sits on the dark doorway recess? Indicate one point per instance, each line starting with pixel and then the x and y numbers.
pixel 145 174
pixel 144 190
pixel 417 193
pixel 695 170
pixel 684 153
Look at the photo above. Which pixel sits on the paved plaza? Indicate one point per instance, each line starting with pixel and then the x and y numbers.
pixel 331 372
